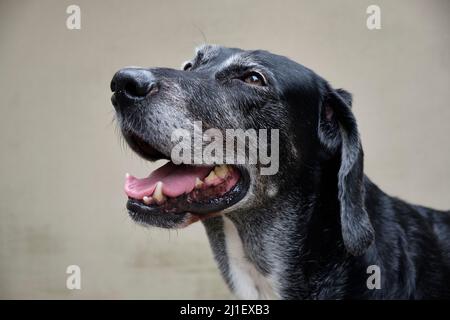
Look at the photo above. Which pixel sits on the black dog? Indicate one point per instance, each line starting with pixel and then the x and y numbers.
pixel 312 230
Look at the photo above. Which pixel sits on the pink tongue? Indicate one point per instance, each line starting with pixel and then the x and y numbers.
pixel 176 180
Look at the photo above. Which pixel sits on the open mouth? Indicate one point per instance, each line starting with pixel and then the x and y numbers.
pixel 182 189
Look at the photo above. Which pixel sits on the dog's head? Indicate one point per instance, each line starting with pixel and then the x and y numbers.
pixel 300 122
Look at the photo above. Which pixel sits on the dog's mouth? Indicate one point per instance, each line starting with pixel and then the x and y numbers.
pixel 177 190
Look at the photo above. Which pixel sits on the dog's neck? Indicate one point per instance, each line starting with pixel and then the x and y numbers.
pixel 280 246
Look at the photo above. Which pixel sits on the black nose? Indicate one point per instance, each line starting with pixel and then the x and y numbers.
pixel 134 82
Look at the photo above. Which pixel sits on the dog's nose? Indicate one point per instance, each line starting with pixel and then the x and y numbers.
pixel 134 82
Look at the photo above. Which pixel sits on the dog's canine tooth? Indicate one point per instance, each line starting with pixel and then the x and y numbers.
pixel 127 175
pixel 198 183
pixel 147 200
pixel 158 194
pixel 221 171
pixel 211 177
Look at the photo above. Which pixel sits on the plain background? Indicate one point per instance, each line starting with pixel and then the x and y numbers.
pixel 62 163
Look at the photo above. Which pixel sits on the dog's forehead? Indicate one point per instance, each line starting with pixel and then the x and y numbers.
pixel 283 71
pixel 215 55
pixel 214 58
pixel 224 56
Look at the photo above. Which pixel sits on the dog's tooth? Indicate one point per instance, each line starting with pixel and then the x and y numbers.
pixel 127 175
pixel 221 171
pixel 147 200
pixel 158 194
pixel 198 183
pixel 211 177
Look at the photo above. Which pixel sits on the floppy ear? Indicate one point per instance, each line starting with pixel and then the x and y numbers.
pixel 338 132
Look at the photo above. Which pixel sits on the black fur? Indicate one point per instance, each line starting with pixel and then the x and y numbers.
pixel 327 222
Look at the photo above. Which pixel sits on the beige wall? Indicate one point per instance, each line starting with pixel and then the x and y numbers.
pixel 62 166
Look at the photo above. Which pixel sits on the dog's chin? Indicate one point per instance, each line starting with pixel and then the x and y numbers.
pixel 175 196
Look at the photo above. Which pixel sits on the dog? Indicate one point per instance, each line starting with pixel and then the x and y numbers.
pixel 313 230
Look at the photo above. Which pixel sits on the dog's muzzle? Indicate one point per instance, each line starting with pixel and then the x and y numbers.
pixel 173 195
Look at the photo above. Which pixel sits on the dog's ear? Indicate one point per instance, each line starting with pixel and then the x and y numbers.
pixel 339 134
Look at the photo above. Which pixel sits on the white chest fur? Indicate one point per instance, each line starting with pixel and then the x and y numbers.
pixel 247 281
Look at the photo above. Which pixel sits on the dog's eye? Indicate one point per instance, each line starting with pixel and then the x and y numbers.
pixel 187 66
pixel 254 78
